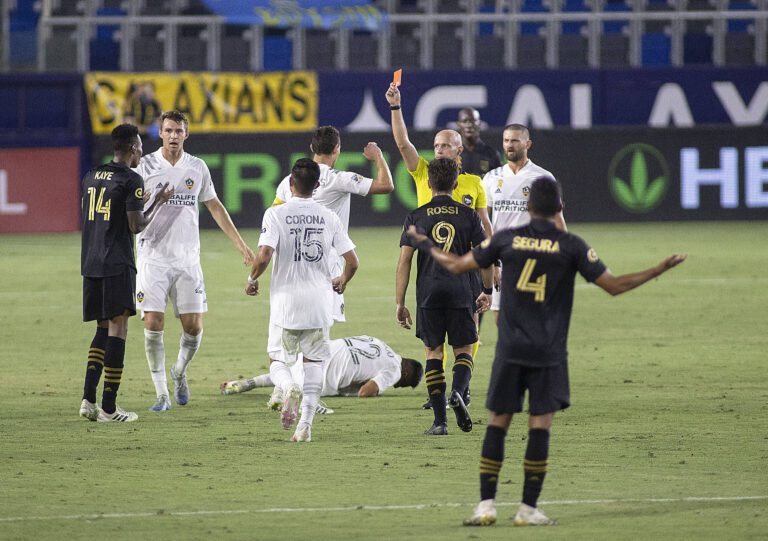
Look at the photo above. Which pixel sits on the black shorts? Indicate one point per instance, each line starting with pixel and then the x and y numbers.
pixel 548 388
pixel 105 298
pixel 432 324
pixel 476 282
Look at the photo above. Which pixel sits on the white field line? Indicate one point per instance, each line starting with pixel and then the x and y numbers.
pixel 416 507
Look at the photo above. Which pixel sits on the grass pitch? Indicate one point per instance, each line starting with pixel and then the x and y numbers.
pixel 667 437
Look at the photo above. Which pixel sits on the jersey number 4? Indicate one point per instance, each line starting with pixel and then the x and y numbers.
pixel 524 283
pixel 97 205
pixel 305 248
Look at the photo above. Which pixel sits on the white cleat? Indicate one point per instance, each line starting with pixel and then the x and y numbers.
pixel 237 386
pixel 119 416
pixel 323 409
pixel 302 434
pixel 89 410
pixel 484 514
pixel 291 403
pixel 275 402
pixel 531 516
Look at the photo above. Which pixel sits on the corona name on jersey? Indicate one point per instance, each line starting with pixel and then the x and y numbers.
pixel 304 219
pixel 535 245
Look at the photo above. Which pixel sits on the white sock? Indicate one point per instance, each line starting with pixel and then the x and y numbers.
pixel 155 350
pixel 263 381
pixel 188 346
pixel 313 382
pixel 280 375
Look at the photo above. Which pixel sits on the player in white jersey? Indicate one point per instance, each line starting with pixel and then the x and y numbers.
pixel 336 187
pixel 361 366
pixel 506 189
pixel 168 254
pixel 300 234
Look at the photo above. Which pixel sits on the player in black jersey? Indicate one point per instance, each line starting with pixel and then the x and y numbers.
pixel 540 264
pixel 477 157
pixel 112 211
pixel 445 302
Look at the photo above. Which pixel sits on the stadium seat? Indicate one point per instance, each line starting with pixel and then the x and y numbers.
pixel 149 49
pixel 741 25
pixel 191 54
pixel 617 26
pixel 68 8
pixel 363 50
pixel 157 7
pixel 574 27
pixel 739 49
pixel 489 52
pixel 656 48
pixel 573 51
pixel 319 49
pixel 697 48
pixel 447 46
pixel 61 49
pixel 405 51
pixel 278 50
pixel 105 45
pixel 235 48
pixel 533 6
pixel 531 51
pixel 614 50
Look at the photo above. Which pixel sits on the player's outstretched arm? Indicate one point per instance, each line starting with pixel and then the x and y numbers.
pixel 139 220
pixel 368 390
pixel 224 221
pixel 402 277
pixel 616 285
pixel 383 182
pixel 451 262
pixel 351 264
pixel 260 264
pixel 399 131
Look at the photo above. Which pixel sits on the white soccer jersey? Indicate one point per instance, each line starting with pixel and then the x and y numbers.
pixel 172 239
pixel 507 194
pixel 354 361
pixel 333 192
pixel 303 234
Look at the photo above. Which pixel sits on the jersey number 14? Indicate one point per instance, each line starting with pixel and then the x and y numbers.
pixel 97 205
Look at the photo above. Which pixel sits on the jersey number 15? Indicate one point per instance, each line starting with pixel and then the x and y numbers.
pixel 305 248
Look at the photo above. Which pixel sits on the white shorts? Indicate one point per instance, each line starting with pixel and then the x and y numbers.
pixel 311 343
pixel 184 287
pixel 275 345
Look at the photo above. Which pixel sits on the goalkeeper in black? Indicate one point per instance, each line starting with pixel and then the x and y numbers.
pixel 112 212
pixel 540 264
pixel 445 302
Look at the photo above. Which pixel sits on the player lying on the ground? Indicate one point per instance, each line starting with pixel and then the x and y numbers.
pixel 361 366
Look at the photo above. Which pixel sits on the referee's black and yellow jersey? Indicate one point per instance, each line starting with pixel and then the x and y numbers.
pixel 469 192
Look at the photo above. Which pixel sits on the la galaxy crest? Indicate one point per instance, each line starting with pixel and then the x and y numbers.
pixel 189 183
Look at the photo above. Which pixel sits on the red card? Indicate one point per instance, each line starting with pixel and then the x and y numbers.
pixel 397 77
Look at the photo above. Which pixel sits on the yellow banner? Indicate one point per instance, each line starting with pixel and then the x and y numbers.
pixel 213 102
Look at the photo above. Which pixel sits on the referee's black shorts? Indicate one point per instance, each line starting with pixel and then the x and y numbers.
pixel 548 388
pixel 432 324
pixel 105 298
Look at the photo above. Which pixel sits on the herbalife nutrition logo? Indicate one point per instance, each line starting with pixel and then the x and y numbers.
pixel 638 176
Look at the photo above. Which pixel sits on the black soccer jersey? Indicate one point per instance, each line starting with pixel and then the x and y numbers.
pixel 108 192
pixel 479 161
pixel 539 265
pixel 455 228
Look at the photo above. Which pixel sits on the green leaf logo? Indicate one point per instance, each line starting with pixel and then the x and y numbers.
pixel 630 174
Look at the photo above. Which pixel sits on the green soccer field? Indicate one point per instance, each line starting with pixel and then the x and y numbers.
pixel 667 437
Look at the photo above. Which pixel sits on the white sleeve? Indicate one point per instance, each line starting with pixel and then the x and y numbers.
pixel 349 182
pixel 487 180
pixel 270 229
pixel 341 240
pixel 387 376
pixel 284 190
pixel 207 192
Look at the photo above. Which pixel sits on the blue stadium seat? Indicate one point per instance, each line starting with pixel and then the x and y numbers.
pixel 618 26
pixel 574 6
pixel 104 48
pixel 278 50
pixel 533 28
pixel 741 25
pixel 656 48
pixel 697 48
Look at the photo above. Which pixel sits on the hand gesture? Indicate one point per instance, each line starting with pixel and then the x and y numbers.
pixel 252 289
pixel 339 284
pixel 372 151
pixel 670 262
pixel 483 303
pixel 248 255
pixel 413 233
pixel 393 95
pixel 403 316
pixel 165 194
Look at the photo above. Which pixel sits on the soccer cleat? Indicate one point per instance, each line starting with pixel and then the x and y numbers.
pixel 161 404
pixel 484 514
pixel 89 410
pixel 428 405
pixel 302 434
pixel 275 402
pixel 237 386
pixel 323 409
pixel 291 402
pixel 180 388
pixel 531 516
pixel 119 416
pixel 466 397
pixel 460 410
pixel 436 430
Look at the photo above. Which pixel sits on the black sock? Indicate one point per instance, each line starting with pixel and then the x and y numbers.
pixel 113 372
pixel 462 372
pixel 491 460
pixel 435 378
pixel 95 364
pixel 535 464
